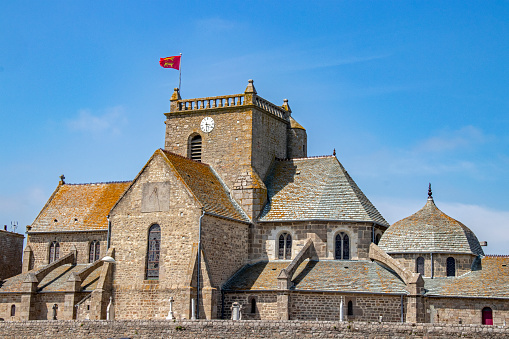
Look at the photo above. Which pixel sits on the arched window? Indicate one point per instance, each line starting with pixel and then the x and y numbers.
pixel 95 248
pixel 377 238
pixel 54 251
pixel 195 148
pixel 419 265
pixel 451 267
pixel 487 316
pixel 350 308
pixel 285 246
pixel 253 305
pixel 153 248
pixel 13 310
pixel 342 246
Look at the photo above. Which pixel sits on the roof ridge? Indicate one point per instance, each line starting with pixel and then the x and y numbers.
pixel 304 158
pixel 183 157
pixel 99 183
pixel 497 255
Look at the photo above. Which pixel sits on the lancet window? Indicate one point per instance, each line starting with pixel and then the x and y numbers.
pixel 342 246
pixel 95 248
pixel 153 249
pixel 285 246
pixel 419 265
pixel 54 251
pixel 451 267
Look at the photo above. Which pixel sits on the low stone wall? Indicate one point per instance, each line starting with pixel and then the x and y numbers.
pixel 240 329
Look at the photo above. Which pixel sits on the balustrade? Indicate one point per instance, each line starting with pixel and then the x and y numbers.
pixel 230 101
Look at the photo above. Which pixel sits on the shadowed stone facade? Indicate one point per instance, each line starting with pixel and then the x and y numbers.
pixel 232 213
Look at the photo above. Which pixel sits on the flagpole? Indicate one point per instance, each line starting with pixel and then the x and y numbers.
pixel 180 71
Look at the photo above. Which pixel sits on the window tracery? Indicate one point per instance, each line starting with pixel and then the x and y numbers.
pixel 342 246
pixel 285 246
pixel 153 251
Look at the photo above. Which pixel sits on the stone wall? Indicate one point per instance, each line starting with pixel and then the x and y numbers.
pixel 40 244
pixel 224 245
pixel 326 306
pixel 11 252
pixel 242 329
pixel 265 235
pixel 134 296
pixel 463 262
pixel 465 310
pixel 6 303
pixel 266 305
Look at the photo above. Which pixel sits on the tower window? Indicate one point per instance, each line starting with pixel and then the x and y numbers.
pixel 154 246
pixel 451 267
pixel 195 148
pixel 95 248
pixel 419 265
pixel 285 246
pixel 13 310
pixel 342 246
pixel 487 316
pixel 377 238
pixel 54 251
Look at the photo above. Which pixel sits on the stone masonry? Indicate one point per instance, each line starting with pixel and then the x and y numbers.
pixel 11 251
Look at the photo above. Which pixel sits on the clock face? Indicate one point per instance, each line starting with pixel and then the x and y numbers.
pixel 207 124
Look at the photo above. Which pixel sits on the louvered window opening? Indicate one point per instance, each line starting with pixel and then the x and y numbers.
pixel 342 247
pixel 54 251
pixel 419 265
pixel 154 247
pixel 95 248
pixel 451 267
pixel 285 246
pixel 196 148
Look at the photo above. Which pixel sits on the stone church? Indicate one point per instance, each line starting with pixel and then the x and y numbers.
pixel 233 215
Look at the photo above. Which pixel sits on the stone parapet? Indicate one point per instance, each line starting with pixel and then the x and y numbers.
pixel 241 329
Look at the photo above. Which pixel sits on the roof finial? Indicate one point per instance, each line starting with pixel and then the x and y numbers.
pixel 334 152
pixel 430 194
pixel 62 178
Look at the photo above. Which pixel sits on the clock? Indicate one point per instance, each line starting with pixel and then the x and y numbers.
pixel 207 124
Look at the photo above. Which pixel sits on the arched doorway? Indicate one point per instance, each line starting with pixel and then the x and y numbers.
pixel 487 316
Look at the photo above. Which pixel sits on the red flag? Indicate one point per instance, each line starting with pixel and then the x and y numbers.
pixel 170 62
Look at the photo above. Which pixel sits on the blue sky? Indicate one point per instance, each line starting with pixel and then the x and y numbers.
pixel 407 92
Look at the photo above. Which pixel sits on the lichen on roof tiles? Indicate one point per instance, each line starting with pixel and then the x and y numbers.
pixel 79 207
pixel 324 275
pixel 492 281
pixel 430 230
pixel 206 186
pixel 316 188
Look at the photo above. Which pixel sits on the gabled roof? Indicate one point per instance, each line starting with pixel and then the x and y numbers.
pixel 430 230
pixel 79 207
pixel 55 281
pixel 316 188
pixel 324 275
pixel 491 281
pixel 206 186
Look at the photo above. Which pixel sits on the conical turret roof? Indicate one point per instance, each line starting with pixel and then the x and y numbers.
pixel 430 230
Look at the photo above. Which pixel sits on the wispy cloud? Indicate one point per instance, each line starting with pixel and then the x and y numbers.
pixel 441 153
pixel 109 121
pixel 463 138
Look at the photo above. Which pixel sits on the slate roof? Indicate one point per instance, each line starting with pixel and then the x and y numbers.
pixel 325 275
pixel 492 281
pixel 316 188
pixel 55 281
pixel 430 230
pixel 79 207
pixel 295 124
pixel 206 186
